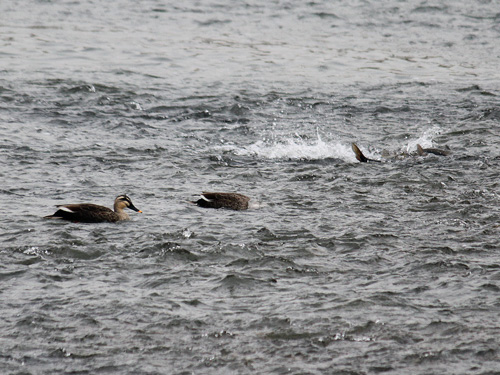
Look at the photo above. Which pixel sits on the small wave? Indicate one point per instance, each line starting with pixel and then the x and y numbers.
pixel 233 282
pixel 299 149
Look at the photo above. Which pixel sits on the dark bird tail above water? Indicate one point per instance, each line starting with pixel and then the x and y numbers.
pixel 359 155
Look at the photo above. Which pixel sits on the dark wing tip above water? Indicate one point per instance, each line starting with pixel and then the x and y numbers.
pixel 359 155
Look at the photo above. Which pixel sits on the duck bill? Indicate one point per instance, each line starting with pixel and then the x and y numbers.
pixel 132 207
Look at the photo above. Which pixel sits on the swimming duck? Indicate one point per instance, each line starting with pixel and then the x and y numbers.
pixel 93 213
pixel 232 201
pixel 436 151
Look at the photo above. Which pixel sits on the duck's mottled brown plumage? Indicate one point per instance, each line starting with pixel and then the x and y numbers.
pixel 232 201
pixel 93 213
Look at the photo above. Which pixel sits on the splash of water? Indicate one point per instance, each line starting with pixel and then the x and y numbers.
pixel 298 148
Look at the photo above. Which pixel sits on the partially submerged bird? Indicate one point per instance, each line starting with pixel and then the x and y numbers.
pixel 436 151
pixel 93 213
pixel 359 155
pixel 232 201
pixel 420 151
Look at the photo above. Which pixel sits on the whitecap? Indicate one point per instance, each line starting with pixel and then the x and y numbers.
pixel 297 148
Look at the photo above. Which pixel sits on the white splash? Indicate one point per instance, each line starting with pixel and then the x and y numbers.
pixel 186 233
pixel 298 148
pixel 256 204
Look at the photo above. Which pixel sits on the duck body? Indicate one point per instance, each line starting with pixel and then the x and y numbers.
pixel 232 201
pixel 93 213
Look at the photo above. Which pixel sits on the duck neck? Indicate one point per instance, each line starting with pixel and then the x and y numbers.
pixel 120 212
pixel 123 215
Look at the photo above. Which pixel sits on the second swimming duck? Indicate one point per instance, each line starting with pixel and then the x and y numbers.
pixel 93 213
pixel 232 201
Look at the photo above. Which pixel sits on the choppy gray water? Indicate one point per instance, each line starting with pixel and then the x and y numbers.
pixel 341 268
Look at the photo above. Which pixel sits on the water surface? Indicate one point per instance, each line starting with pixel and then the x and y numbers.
pixel 340 267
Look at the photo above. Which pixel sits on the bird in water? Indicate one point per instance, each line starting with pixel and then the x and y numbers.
pixel 420 151
pixel 232 201
pixel 93 213
pixel 359 155
pixel 436 151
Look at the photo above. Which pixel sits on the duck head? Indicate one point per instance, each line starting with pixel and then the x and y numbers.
pixel 123 201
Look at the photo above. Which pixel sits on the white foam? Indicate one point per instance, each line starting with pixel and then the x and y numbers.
pixel 255 204
pixel 298 148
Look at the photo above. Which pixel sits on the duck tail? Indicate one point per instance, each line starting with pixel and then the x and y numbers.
pixel 52 217
pixel 359 155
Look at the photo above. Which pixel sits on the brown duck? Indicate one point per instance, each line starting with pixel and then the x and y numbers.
pixel 232 201
pixel 93 213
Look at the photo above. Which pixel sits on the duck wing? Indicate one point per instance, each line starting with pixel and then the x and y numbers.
pixel 84 213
